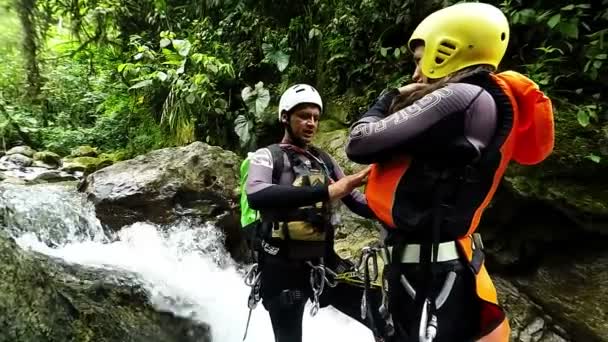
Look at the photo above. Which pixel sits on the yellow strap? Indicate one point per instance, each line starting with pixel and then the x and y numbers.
pixel 353 279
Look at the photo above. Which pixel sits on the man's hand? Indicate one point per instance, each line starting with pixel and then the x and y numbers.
pixel 347 184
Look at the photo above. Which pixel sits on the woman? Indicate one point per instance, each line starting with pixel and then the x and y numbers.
pixel 439 148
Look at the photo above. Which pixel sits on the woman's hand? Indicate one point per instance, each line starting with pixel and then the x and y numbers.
pixel 408 89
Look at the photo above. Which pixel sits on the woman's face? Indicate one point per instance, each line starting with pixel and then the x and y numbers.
pixel 418 77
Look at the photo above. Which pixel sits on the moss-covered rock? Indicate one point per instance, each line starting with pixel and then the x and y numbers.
pixel 334 143
pixel 345 108
pixel 44 299
pixel 330 125
pixel 85 164
pixel 48 158
pixel 84 151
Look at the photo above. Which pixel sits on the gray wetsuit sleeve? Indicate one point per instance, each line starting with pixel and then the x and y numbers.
pixel 372 137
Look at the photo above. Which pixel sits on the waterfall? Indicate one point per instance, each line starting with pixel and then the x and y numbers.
pixel 183 265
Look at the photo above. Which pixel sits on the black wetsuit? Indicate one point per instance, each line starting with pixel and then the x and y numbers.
pixel 285 284
pixel 449 127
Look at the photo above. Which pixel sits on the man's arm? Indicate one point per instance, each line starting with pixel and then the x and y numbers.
pixel 262 194
pixel 355 201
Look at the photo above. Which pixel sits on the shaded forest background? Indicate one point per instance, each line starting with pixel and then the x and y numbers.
pixel 129 76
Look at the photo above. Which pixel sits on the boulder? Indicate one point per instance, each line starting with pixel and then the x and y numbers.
pixel 52 176
pixel 528 321
pixel 48 158
pixel 18 160
pixel 84 164
pixel 23 150
pixel 198 180
pixel 84 151
pixel 572 287
pixel 45 299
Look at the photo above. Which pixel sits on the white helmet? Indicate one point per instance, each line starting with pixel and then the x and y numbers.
pixel 297 94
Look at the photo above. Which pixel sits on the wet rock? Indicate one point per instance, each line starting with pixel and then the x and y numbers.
pixel 23 150
pixel 38 163
pixel 528 321
pixel 86 165
pixel 48 158
pixel 84 151
pixel 19 160
pixel 195 180
pixel 52 176
pixel 45 299
pixel 573 288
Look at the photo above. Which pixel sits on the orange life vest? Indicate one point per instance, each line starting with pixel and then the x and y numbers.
pixel 529 141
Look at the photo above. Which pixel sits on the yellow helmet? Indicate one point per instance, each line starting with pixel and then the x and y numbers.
pixel 459 36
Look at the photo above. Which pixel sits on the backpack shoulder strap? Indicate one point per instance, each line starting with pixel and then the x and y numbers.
pixel 327 160
pixel 277 162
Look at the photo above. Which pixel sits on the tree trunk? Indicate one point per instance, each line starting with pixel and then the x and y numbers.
pixel 28 21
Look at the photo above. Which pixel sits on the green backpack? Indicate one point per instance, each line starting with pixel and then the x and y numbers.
pixel 250 217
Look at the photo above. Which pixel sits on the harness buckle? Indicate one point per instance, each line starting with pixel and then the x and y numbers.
pixel 477 241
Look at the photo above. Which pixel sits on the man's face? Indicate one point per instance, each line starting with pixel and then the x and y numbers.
pixel 304 122
pixel 418 76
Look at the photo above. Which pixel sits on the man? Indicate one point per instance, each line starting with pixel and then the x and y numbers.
pixel 294 186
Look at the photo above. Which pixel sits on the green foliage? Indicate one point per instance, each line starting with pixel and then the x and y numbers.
pixel 137 75
pixel 256 100
pixel 183 79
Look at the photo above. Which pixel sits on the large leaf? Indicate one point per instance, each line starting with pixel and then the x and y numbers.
pixel 554 20
pixel 583 117
pixel 569 28
pixel 242 128
pixel 280 58
pixel 594 158
pixel 276 56
pixel 162 76
pixel 165 42
pixel 256 99
pixel 190 98
pixel 141 84
pixel 182 47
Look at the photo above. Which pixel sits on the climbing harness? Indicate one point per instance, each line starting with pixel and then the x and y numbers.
pixel 253 280
pixel 427 330
pixel 318 279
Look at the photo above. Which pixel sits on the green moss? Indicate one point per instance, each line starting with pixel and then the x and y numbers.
pixel 86 164
pixel 84 151
pixel 48 157
pixel 330 125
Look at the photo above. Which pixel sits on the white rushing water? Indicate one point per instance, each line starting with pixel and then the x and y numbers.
pixel 184 267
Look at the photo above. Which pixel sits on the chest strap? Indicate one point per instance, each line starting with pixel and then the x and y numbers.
pixel 447 251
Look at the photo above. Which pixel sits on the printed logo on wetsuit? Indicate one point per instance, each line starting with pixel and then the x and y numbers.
pixel 262 157
pixel 427 102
